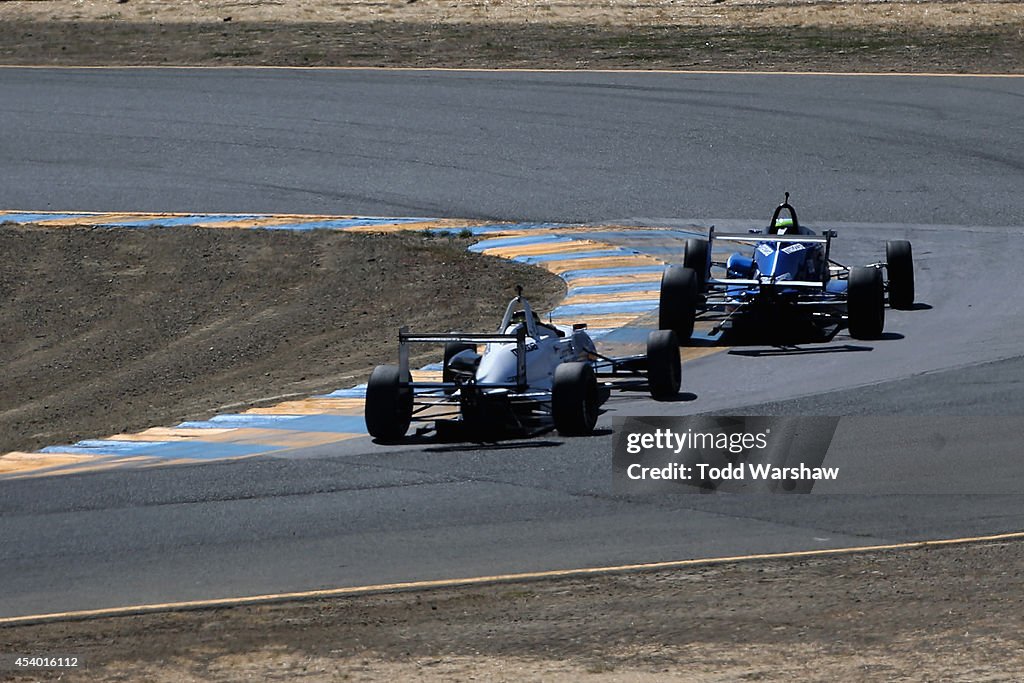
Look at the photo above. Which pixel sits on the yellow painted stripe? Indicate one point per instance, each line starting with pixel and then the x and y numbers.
pixel 440 224
pixel 243 435
pixel 545 248
pixel 426 375
pixel 100 218
pixel 654 279
pixel 246 223
pixel 92 218
pixel 353 591
pixel 286 438
pixel 230 221
pixel 170 434
pixel 270 221
pixel 313 406
pixel 629 261
pixel 20 462
pixel 640 295
pixel 599 322
pixel 98 463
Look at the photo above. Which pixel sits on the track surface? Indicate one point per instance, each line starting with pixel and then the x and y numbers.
pixel 521 146
pixel 883 150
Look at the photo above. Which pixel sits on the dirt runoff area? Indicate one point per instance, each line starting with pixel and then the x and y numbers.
pixel 927 614
pixel 116 330
pixel 979 36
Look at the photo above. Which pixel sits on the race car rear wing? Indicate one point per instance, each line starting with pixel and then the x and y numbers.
pixel 755 238
pixel 519 339
pixel 766 282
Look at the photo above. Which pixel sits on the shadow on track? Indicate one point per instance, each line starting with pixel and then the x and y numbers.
pixel 492 446
pixel 797 351
pixel 681 397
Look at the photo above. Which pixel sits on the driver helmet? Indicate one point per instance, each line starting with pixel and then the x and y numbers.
pixel 518 318
pixel 783 226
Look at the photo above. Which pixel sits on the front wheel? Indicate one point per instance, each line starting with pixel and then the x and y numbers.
pixel 865 303
pixel 677 304
pixel 388 410
pixel 664 369
pixel 574 401
pixel 899 261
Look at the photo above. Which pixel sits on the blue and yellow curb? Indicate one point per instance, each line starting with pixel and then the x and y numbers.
pixel 609 286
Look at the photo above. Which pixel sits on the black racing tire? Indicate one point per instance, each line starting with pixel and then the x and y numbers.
pixel 695 255
pixel 865 303
pixel 664 369
pixel 574 399
pixel 899 262
pixel 450 349
pixel 677 304
pixel 389 401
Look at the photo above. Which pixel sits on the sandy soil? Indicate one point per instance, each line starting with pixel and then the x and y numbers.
pixel 114 330
pixel 927 14
pixel 930 614
pixel 838 35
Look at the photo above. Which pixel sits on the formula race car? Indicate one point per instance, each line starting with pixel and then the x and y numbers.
pixel 530 377
pixel 790 275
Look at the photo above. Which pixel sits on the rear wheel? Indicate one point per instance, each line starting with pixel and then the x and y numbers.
pixel 677 306
pixel 388 409
pixel 574 401
pixel 899 260
pixel 695 255
pixel 865 303
pixel 664 369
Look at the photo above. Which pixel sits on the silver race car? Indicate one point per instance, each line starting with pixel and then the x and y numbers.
pixel 529 377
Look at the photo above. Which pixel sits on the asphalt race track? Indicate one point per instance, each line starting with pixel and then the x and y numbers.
pixel 938 161
pixel 523 146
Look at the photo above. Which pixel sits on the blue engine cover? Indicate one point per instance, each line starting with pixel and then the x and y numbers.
pixel 784 261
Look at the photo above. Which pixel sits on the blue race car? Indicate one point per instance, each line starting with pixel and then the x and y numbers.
pixel 788 277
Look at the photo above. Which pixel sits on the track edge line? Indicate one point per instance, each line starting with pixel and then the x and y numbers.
pixel 437 584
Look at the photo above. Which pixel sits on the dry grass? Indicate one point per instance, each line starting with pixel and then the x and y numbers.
pixel 755 14
pixel 855 35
